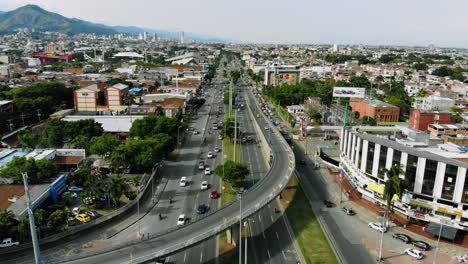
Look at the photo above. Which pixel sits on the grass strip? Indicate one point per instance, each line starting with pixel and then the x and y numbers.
pixel 309 235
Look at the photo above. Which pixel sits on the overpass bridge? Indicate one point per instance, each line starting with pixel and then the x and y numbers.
pixel 179 238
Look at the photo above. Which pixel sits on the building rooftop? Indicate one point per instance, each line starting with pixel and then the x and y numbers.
pixel 376 102
pixel 113 124
pixel 417 149
pixel 120 86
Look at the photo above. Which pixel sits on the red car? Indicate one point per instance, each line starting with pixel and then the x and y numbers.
pixel 214 194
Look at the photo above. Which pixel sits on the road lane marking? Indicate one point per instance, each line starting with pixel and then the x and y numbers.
pixel 201 257
pixel 185 256
pixel 260 218
pixel 268 252
pixel 277 236
pixel 263 233
pixel 272 220
pixel 284 255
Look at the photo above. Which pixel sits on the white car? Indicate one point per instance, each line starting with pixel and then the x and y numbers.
pixel 207 171
pixel 204 185
pixel 217 149
pixel 266 127
pixel 181 219
pixel 414 253
pixel 210 154
pixel 75 189
pixel 377 226
pixel 76 210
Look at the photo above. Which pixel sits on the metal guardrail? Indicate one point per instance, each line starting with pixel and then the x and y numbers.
pixel 213 230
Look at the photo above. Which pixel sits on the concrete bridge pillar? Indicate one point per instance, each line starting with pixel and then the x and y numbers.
pixel 233 235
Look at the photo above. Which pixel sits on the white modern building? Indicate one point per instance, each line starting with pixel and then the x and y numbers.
pixel 436 175
pixel 433 103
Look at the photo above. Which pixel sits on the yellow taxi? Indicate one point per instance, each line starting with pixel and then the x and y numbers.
pixel 84 218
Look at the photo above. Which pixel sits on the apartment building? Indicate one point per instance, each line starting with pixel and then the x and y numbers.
pixel 421 119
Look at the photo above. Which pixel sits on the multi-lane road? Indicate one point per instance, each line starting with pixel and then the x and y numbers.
pixel 275 241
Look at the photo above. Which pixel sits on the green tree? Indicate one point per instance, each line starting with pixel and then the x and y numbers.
pixel 38 170
pixel 57 219
pixel 421 93
pixel 457 114
pixel 367 120
pixel 394 185
pixel 142 154
pixel 235 75
pixel 314 114
pixel 81 142
pixel 40 219
pixel 232 172
pixel 420 66
pixel 153 125
pixel 117 187
pixel 27 139
pixel 7 223
pixel 104 145
pixel 23 228
pixel 229 127
pixel 443 71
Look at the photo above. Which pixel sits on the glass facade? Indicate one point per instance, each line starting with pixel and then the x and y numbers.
pixel 360 152
pixel 410 174
pixel 465 190
pixel 396 157
pixel 370 157
pixel 449 182
pixel 430 172
pixel 382 161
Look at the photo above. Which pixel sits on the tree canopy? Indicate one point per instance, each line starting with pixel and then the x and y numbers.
pixel 232 172
pixel 38 170
pixel 58 132
pixel 105 144
pixel 152 125
pixel 142 154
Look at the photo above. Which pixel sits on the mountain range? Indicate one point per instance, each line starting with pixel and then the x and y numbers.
pixel 34 17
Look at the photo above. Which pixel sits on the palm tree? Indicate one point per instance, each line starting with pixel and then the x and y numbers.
pixel 394 184
pixel 23 228
pixel 7 223
pixel 40 218
pixel 117 187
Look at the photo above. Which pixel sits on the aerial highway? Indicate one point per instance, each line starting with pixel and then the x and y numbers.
pixel 161 241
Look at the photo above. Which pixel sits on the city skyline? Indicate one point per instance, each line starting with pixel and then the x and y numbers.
pixel 415 23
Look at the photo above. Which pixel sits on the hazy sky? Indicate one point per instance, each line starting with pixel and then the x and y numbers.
pixel 402 22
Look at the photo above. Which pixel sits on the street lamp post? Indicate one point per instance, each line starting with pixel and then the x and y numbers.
pixel 442 223
pixel 381 237
pixel 241 190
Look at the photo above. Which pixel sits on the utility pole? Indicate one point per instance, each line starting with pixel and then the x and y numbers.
pixel 32 224
pixel 235 134
pixel 11 126
pixel 22 118
pixel 39 114
pixel 240 225
pixel 381 237
pixel 230 98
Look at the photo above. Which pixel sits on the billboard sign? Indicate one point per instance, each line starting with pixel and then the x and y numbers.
pixel 354 92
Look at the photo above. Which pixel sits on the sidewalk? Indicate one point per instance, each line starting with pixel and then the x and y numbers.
pixel 368 211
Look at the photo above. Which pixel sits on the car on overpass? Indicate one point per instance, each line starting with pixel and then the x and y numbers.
pixel 181 219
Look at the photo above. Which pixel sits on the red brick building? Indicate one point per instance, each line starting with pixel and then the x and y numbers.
pixel 376 109
pixel 420 119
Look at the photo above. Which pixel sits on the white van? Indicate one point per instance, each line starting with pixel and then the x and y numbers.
pixel 183 181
